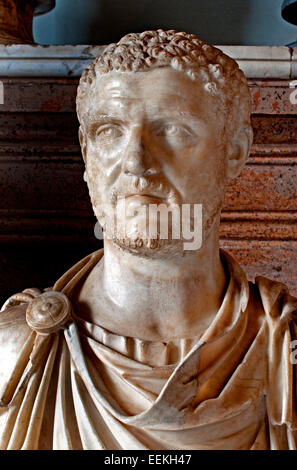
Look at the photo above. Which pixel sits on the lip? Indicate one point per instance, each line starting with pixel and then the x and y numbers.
pixel 145 197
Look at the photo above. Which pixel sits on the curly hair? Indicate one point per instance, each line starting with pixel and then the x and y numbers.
pixel 219 74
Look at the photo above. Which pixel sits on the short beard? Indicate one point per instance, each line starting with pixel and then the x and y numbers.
pixel 163 247
pixel 150 247
pixel 143 245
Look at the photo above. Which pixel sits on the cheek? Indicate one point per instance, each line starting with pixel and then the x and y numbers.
pixel 96 168
pixel 92 168
pixel 201 171
pixel 103 165
pixel 95 179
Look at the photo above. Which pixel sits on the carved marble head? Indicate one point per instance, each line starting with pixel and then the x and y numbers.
pixel 164 118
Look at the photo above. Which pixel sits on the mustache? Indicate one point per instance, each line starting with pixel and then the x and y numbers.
pixel 142 185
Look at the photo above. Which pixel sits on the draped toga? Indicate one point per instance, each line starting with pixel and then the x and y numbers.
pixel 79 386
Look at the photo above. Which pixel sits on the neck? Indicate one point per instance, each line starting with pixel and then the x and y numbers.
pixel 164 298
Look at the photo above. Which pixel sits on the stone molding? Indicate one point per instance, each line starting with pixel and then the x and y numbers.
pixel 262 62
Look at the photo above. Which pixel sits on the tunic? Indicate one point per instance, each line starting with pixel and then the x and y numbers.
pixel 68 384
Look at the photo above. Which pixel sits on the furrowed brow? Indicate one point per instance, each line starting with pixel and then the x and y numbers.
pixel 97 118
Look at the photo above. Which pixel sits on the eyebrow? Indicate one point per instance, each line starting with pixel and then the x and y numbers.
pixel 158 116
pixel 186 115
pixel 99 116
pixel 93 118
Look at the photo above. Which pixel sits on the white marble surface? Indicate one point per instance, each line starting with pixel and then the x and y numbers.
pixel 70 61
pixel 294 64
pixel 257 52
pixel 24 51
pixel 274 69
pixel 262 61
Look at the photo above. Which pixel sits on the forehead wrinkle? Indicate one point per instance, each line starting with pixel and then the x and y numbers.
pixel 182 111
pixel 113 87
pixel 142 91
pixel 117 107
pixel 125 89
pixel 147 101
pixel 125 107
pixel 108 112
pixel 159 113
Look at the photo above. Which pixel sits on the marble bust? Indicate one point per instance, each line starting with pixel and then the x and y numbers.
pixel 147 344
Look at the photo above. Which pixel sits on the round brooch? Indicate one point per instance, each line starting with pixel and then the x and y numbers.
pixel 49 312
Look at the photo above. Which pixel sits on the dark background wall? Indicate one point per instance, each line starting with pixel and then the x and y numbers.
pixel 249 22
pixel 46 220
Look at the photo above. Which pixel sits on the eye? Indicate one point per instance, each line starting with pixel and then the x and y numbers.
pixel 172 130
pixel 108 132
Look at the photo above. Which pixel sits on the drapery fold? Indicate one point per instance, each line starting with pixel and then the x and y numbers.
pixel 84 387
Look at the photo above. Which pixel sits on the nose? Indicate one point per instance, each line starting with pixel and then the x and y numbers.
pixel 139 159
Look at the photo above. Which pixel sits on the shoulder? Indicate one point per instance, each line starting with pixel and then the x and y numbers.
pixel 13 326
pixel 281 319
pixel 14 335
pixel 67 282
pixel 279 305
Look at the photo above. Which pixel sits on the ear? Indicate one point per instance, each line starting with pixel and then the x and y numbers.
pixel 83 144
pixel 238 151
